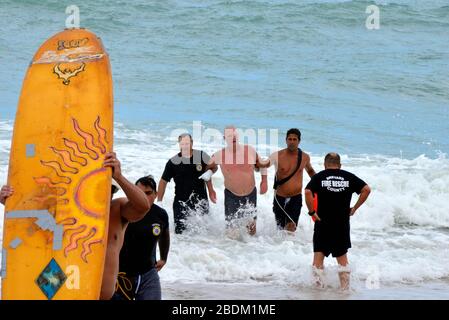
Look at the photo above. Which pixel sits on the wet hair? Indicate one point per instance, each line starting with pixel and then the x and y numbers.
pixel 332 158
pixel 114 189
pixel 147 181
pixel 181 136
pixel 294 131
pixel 114 186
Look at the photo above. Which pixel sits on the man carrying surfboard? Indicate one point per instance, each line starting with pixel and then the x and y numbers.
pixel 238 162
pixel 334 188
pixel 131 208
pixel 290 164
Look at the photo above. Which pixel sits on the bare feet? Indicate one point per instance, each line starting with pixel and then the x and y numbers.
pixel 251 227
pixel 318 278
pixel 291 226
pixel 344 273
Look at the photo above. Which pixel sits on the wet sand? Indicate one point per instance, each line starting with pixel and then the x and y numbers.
pixel 227 291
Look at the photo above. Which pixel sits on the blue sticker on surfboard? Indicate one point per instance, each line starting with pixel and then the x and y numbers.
pixel 51 279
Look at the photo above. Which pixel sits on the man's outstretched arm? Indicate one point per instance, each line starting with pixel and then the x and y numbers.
pixel 212 164
pixel 211 168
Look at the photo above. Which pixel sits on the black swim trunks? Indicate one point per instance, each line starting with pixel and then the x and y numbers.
pixel 237 207
pixel 283 206
pixel 331 239
pixel 334 189
pixel 183 209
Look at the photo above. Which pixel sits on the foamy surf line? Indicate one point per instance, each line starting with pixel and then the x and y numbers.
pixel 397 240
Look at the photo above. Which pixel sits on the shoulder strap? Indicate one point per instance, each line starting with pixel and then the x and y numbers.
pixel 282 181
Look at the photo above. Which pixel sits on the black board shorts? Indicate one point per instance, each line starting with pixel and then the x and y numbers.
pixel 181 210
pixel 291 206
pixel 237 207
pixel 331 239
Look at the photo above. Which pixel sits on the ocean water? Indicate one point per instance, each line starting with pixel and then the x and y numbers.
pixel 378 97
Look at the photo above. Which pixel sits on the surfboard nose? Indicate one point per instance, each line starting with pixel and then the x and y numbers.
pixel 70 45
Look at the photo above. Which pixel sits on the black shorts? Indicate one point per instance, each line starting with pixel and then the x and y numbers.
pixel 182 210
pixel 240 206
pixel 291 206
pixel 331 239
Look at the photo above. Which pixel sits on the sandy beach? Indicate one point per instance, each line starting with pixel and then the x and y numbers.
pixel 433 290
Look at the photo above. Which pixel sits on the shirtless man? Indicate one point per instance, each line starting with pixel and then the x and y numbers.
pixel 290 164
pixel 238 162
pixel 132 208
pixel 122 210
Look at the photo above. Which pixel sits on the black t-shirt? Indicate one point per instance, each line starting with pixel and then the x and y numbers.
pixel 334 188
pixel 138 254
pixel 185 172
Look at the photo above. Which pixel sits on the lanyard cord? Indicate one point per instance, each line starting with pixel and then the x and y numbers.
pixel 276 199
pixel 126 283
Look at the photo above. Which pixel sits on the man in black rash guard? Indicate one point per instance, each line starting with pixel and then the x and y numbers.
pixel 185 168
pixel 138 277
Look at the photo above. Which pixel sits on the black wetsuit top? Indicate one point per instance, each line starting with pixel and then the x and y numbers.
pixel 185 173
pixel 138 254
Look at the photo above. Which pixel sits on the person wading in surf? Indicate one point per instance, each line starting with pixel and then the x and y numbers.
pixel 190 192
pixel 238 162
pixel 334 188
pixel 290 164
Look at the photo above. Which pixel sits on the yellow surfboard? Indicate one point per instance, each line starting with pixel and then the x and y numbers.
pixel 56 222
